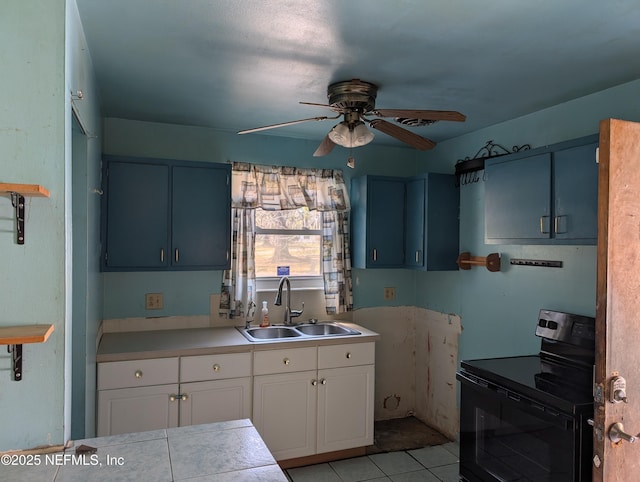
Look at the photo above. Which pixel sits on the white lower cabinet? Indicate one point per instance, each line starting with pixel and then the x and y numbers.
pixel 137 409
pixel 139 395
pixel 313 400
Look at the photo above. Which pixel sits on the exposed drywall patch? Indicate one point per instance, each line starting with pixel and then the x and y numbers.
pixel 395 358
pixel 436 357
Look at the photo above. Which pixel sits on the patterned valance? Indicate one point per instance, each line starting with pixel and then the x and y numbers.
pixel 275 188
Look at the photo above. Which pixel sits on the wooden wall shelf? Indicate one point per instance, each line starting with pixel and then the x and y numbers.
pixel 25 189
pixel 491 261
pixel 17 192
pixel 15 336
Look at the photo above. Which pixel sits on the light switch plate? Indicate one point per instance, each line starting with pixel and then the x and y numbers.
pixel 389 294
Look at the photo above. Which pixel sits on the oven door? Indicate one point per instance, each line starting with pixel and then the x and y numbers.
pixel 507 437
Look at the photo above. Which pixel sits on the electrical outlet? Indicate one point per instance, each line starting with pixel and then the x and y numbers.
pixel 389 294
pixel 153 301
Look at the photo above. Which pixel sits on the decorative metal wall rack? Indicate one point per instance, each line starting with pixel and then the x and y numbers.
pixel 467 168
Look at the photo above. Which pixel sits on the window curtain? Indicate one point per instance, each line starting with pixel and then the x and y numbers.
pixel 277 188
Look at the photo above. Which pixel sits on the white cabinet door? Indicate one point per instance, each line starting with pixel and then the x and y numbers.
pixel 137 409
pixel 284 412
pixel 215 401
pixel 345 408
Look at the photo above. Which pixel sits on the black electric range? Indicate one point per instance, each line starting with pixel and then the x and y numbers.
pixel 524 418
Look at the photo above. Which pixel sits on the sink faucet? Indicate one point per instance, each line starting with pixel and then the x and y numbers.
pixel 288 312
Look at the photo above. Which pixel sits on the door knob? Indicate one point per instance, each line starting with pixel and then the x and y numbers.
pixel 617 434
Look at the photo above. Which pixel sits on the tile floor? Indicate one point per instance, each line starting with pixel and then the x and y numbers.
pixel 437 463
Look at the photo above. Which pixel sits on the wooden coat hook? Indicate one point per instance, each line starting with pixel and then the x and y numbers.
pixel 491 261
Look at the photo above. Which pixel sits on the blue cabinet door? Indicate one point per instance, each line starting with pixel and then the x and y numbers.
pixel 385 214
pixel 575 174
pixel 518 199
pixel 201 217
pixel 137 216
pixel 442 222
pixel 415 223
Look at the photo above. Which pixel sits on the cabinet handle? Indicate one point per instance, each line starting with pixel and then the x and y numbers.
pixel 162 255
pixel 227 255
pixel 216 368
pixel 348 355
pixel 375 254
pixel 323 381
pixel 556 224
pixel 184 397
pixel 177 255
pixel 138 374
pixel 542 231
pixel 417 257
pixel 173 397
pixel 286 361
pixel 314 383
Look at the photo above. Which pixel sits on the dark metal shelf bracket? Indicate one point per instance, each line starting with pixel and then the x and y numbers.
pixel 16 361
pixel 17 201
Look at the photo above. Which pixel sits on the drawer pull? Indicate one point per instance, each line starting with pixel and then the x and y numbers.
pixel 138 374
pixel 216 367
pixel 348 355
pixel 286 361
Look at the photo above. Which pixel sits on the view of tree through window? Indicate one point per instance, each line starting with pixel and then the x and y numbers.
pixel 290 238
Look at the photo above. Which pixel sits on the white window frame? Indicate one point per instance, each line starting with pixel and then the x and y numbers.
pixel 270 283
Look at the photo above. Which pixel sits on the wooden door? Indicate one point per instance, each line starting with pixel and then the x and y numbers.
pixel 618 300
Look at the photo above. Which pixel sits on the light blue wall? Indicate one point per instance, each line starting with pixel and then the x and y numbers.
pixel 499 310
pixel 187 293
pixel 33 275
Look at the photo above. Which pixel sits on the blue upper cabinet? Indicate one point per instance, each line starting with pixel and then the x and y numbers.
pixel 543 196
pixel 165 215
pixel 200 213
pixel 575 175
pixel 377 205
pixel 405 222
pixel 518 198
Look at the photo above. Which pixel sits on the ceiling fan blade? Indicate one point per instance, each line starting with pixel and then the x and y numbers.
pixel 325 147
pixel 414 140
pixel 435 115
pixel 327 106
pixel 282 124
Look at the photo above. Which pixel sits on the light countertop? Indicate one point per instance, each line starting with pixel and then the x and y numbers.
pixel 221 452
pixel 138 345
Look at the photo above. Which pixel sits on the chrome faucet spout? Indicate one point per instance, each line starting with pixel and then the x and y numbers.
pixel 288 312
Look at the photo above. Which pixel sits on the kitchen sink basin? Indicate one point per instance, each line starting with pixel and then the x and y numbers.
pixel 303 331
pixel 325 329
pixel 271 332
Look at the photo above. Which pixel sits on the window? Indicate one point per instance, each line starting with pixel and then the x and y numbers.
pixel 288 242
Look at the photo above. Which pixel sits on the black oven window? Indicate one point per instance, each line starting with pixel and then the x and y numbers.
pixel 507 440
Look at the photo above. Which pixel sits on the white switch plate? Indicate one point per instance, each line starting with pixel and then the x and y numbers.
pixel 389 294
pixel 153 301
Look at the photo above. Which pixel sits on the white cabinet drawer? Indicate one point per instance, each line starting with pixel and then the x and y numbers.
pixel 137 373
pixel 347 355
pixel 215 367
pixel 285 361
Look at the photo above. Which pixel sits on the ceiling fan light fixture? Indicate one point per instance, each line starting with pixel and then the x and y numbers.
pixel 351 135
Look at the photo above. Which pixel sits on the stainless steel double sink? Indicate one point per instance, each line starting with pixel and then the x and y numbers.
pixel 302 331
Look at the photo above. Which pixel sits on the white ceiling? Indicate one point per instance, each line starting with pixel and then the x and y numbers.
pixel 238 64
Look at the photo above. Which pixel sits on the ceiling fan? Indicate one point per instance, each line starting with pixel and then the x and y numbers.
pixel 355 101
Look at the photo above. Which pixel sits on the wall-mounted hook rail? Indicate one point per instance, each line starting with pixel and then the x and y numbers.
pixel 15 336
pixel 491 261
pixel 17 192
